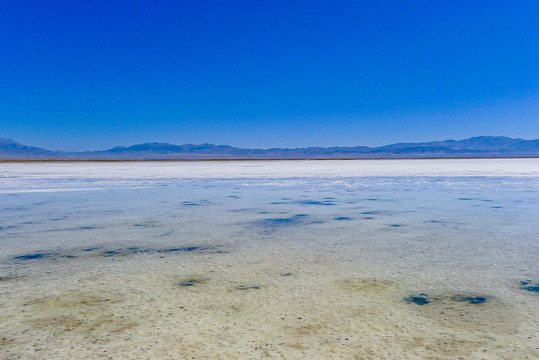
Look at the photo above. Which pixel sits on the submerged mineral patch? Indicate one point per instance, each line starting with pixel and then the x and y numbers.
pixel 279 221
pixel 272 224
pixel 421 299
pixel 247 287
pixel 190 282
pixel 88 252
pixel 315 202
pixel 137 250
pixel 424 299
pixel 31 256
pixel 529 286
pixel 474 300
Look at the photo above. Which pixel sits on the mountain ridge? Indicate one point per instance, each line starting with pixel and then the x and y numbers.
pixel 479 146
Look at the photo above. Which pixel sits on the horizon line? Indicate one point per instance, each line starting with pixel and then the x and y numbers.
pixel 265 159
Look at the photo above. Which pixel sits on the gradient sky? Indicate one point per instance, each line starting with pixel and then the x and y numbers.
pixel 81 75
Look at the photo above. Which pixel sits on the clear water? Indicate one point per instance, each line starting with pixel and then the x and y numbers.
pixel 400 267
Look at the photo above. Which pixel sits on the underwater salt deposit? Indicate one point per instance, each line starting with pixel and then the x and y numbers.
pixel 386 259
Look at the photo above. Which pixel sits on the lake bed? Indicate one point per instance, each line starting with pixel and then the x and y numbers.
pixel 358 259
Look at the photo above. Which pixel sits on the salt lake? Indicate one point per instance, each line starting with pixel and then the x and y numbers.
pixel 356 259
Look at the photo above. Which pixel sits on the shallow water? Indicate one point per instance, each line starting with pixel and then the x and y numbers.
pixel 363 267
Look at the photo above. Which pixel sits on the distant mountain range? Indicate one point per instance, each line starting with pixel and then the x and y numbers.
pixel 481 146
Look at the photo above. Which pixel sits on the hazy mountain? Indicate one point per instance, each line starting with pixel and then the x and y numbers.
pixel 482 146
pixel 9 149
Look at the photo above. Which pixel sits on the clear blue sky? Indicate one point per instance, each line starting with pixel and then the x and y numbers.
pixel 78 75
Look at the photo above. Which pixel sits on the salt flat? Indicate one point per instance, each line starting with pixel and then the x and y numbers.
pixel 273 168
pixel 396 259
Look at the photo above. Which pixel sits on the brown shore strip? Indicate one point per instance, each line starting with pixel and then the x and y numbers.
pixel 253 159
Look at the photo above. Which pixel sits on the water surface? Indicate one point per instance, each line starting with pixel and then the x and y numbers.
pixel 368 267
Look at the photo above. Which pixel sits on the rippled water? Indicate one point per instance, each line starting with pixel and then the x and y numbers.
pixel 402 267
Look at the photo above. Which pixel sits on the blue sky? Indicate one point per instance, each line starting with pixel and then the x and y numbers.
pixel 80 75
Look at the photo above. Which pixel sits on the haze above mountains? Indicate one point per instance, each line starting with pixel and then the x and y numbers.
pixel 482 146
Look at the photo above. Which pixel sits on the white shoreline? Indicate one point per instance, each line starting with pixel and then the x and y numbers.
pixel 272 169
